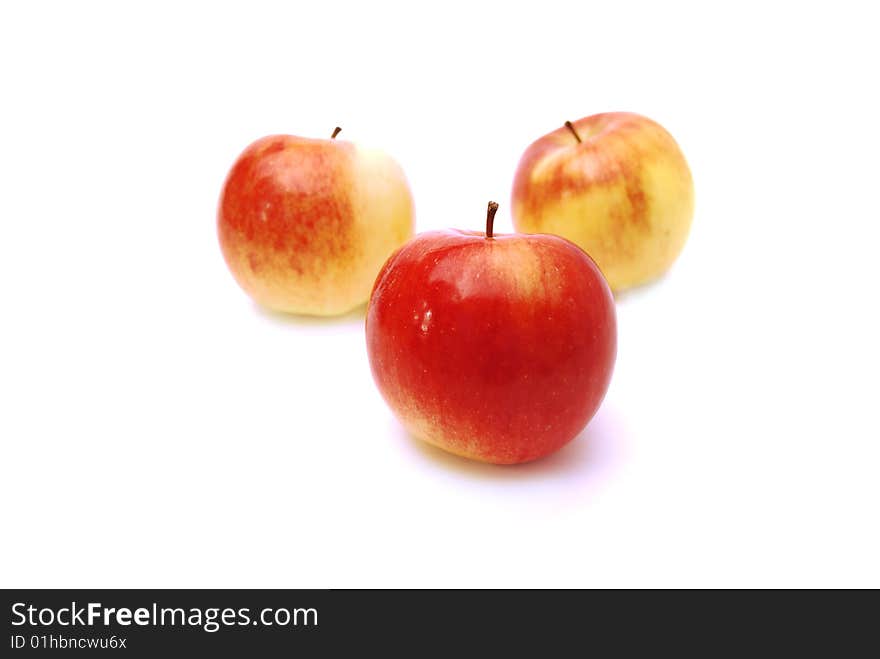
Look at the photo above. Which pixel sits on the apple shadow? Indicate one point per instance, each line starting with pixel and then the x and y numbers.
pixel 591 452
pixel 353 317
pixel 642 290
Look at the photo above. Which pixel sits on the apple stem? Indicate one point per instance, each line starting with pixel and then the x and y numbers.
pixel 490 218
pixel 338 130
pixel 570 127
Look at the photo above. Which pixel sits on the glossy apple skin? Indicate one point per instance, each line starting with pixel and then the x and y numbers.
pixel 497 349
pixel 624 194
pixel 305 224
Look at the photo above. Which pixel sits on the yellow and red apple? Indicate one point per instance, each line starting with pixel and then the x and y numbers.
pixel 498 348
pixel 306 224
pixel 617 185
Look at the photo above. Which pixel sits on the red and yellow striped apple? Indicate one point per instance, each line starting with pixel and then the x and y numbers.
pixel 306 224
pixel 617 185
pixel 493 347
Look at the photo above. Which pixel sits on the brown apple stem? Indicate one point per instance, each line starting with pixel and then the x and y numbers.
pixel 490 218
pixel 570 127
pixel 338 130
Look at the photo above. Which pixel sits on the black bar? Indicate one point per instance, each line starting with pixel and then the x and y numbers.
pixel 250 623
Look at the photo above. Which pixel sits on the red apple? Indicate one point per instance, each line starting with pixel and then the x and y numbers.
pixel 494 347
pixel 305 225
pixel 617 185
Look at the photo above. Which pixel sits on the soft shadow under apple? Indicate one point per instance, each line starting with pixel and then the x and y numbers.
pixel 592 452
pixel 355 316
pixel 642 290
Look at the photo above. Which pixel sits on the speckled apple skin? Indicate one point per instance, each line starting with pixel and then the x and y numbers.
pixel 624 194
pixel 497 349
pixel 305 224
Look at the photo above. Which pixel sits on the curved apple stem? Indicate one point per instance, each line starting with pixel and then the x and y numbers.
pixel 336 132
pixel 570 127
pixel 490 218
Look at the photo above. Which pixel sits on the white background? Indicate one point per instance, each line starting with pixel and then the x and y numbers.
pixel 160 430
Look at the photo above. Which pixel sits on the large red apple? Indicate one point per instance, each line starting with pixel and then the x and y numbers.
pixel 494 347
pixel 617 185
pixel 306 224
